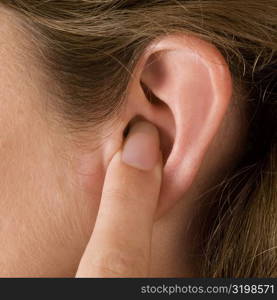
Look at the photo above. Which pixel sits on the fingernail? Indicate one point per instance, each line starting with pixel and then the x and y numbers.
pixel 142 146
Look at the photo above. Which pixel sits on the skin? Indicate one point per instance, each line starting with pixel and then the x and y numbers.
pixel 112 251
pixel 54 216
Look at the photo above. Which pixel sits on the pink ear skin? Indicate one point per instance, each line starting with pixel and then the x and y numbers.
pixel 192 87
pixel 193 83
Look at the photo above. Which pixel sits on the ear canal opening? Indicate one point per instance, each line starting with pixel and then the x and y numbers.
pixel 126 131
pixel 166 140
pixel 129 125
pixel 151 97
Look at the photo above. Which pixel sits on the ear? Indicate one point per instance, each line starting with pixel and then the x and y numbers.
pixel 182 85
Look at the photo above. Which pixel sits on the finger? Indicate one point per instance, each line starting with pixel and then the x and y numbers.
pixel 121 240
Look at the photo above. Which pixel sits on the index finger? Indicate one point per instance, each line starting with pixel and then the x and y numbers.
pixel 121 241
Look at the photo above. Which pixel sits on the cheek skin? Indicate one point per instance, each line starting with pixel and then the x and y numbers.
pixel 90 173
pixel 44 211
pixel 49 191
pixel 92 156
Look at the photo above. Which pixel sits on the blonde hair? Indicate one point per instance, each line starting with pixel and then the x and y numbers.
pixel 90 47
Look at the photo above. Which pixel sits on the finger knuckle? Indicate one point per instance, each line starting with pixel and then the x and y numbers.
pixel 116 264
pixel 119 194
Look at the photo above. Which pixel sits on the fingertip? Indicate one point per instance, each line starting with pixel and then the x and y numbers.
pixel 141 149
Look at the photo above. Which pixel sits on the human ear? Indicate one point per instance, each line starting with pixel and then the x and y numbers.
pixel 183 86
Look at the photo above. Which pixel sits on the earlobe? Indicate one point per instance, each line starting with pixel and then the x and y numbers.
pixel 192 87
